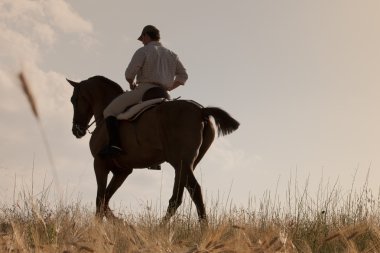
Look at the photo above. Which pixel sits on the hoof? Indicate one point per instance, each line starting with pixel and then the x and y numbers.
pixel 164 221
pixel 111 217
pixel 204 224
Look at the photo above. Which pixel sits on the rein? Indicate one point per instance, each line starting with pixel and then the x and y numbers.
pixel 90 126
pixel 79 128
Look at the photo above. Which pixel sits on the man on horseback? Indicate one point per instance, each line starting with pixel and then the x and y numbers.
pixel 156 70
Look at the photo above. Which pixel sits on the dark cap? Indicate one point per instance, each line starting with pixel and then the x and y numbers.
pixel 152 31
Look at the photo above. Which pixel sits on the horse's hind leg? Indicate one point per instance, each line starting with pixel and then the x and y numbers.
pixel 182 158
pixel 177 195
pixel 195 192
pixel 184 177
pixel 208 138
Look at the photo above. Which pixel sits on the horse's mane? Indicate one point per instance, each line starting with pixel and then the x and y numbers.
pixel 108 82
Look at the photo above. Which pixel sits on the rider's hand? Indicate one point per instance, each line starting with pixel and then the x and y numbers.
pixel 132 86
pixel 175 85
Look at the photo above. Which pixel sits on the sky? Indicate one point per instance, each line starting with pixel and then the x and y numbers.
pixel 300 76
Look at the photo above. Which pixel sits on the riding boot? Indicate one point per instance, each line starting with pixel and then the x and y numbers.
pixel 113 147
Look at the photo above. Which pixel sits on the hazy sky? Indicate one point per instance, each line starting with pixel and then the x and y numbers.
pixel 302 77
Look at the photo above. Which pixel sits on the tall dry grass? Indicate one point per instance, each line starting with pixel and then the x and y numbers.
pixel 331 221
pixel 338 223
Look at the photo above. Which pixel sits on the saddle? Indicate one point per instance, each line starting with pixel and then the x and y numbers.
pixel 133 112
pixel 150 99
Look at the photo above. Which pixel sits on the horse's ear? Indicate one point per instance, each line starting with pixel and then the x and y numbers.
pixel 72 82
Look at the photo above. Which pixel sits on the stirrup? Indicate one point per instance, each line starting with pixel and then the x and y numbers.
pixel 155 167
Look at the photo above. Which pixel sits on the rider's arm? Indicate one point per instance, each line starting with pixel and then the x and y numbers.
pixel 134 66
pixel 180 75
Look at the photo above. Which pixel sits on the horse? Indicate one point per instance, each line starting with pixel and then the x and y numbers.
pixel 176 131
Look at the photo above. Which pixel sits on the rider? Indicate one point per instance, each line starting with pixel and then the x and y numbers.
pixel 154 67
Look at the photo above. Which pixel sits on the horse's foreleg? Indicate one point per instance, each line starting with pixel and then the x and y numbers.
pixel 117 180
pixel 101 174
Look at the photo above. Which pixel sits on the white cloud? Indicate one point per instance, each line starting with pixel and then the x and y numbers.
pixel 27 29
pixel 51 88
pixel 20 10
pixel 45 33
pixel 46 18
pixel 223 155
pixel 65 18
pixel 16 47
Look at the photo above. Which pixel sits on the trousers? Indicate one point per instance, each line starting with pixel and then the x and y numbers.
pixel 126 99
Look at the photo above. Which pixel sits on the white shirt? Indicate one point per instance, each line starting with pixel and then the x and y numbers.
pixel 156 64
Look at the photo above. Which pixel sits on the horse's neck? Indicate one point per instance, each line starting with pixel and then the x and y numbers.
pixel 100 105
pixel 98 115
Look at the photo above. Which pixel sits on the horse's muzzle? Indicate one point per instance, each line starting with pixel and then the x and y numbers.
pixel 78 131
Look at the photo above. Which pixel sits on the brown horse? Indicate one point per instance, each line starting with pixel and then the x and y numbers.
pixel 178 132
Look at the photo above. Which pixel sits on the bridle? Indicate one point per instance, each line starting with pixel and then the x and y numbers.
pixel 76 125
pixel 83 129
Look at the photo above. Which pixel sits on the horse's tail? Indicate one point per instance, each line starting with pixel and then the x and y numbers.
pixel 224 122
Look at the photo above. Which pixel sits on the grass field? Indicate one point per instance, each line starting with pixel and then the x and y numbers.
pixel 330 222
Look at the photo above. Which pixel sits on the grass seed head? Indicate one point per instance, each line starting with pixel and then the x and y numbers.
pixel 28 93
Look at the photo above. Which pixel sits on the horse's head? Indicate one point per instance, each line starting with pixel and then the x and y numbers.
pixel 82 109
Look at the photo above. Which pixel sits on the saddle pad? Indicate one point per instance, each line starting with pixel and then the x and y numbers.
pixel 133 112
